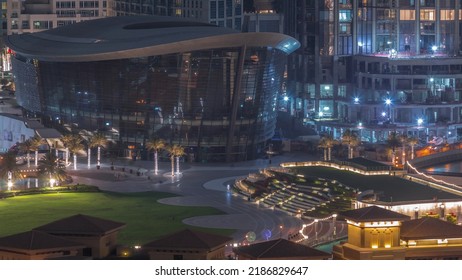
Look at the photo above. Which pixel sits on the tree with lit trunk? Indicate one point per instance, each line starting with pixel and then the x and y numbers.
pixel 26 147
pixel 75 145
pixel 403 139
pixel 393 142
pixel 175 151
pixel 155 144
pixel 351 139
pixel 35 143
pixel 413 141
pixel 66 139
pixel 9 169
pixel 98 140
pixel 50 166
pixel 326 143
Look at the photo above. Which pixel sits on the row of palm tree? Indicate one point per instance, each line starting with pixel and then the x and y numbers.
pixel 175 151
pixel 396 140
pixel 351 139
pixel 73 143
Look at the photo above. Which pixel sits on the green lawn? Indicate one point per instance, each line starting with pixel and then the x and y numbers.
pixel 146 219
pixel 393 188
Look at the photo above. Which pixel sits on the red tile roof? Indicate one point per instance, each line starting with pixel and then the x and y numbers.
pixel 429 228
pixel 190 239
pixel 36 240
pixel 372 214
pixel 280 249
pixel 81 224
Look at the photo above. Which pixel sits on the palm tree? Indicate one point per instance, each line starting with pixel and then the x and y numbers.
pixel 179 152
pixel 35 143
pixel 326 143
pixel 66 139
pixel 75 145
pixel 98 140
pixel 9 170
pixel 351 139
pixel 26 147
pixel 412 141
pixel 403 139
pixel 175 151
pixel 155 144
pixel 393 142
pixel 50 166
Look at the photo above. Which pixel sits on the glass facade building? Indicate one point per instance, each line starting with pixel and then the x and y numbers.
pixel 378 66
pixel 219 102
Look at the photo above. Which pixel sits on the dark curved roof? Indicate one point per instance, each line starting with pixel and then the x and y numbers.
pixel 137 36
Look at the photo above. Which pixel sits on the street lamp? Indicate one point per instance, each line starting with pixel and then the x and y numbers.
pixel 334 218
pixel 316 229
pixel 52 182
pixel 356 100
pixel 388 103
pixel 420 121
pixel 10 180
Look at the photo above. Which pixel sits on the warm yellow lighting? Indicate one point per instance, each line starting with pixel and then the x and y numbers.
pixel 10 184
pixel 387 246
pixel 375 246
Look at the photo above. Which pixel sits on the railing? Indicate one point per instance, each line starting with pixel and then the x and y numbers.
pixel 379 170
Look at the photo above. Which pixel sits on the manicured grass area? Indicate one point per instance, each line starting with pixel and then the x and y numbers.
pixel 393 188
pixel 146 219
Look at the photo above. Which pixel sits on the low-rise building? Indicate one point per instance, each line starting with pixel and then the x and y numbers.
pixel 375 233
pixel 37 245
pixel 188 245
pixel 279 249
pixel 98 235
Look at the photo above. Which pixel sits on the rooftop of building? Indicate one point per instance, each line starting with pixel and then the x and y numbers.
pixel 279 249
pixel 35 241
pixel 373 214
pixel 190 239
pixel 137 36
pixel 81 224
pixel 429 228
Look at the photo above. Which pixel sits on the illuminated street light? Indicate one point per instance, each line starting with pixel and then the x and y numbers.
pixel 321 114
pixel 10 180
pixel 286 98
pixel 356 100
pixel 52 182
pixel 434 48
pixel 384 114
pixel 420 121
pixel 388 101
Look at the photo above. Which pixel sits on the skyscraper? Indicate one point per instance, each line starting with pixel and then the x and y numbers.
pixel 378 66
pixel 224 13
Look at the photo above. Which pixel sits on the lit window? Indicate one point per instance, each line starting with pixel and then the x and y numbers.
pixel 407 15
pixel 447 15
pixel 427 14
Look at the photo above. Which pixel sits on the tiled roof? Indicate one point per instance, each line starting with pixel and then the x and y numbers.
pixel 279 249
pixel 373 213
pixel 35 240
pixel 189 239
pixel 81 224
pixel 429 228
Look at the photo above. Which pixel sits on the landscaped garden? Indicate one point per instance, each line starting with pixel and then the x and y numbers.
pixel 145 218
pixel 389 188
pixel 301 195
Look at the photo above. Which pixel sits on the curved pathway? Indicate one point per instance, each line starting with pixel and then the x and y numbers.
pixel 201 185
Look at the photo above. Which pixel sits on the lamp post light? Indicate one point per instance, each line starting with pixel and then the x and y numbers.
pixel 442 206
pixel 52 182
pixel 416 212
pixel 281 227
pixel 388 103
pixel 420 121
pixel 334 220
pixel 10 180
pixel 316 229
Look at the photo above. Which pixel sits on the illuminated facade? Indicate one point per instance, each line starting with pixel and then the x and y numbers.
pixel 211 90
pixel 377 66
pixel 36 15
pixel 375 233
pixel 223 13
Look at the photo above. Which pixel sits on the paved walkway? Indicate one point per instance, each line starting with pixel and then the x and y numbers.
pixel 199 185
